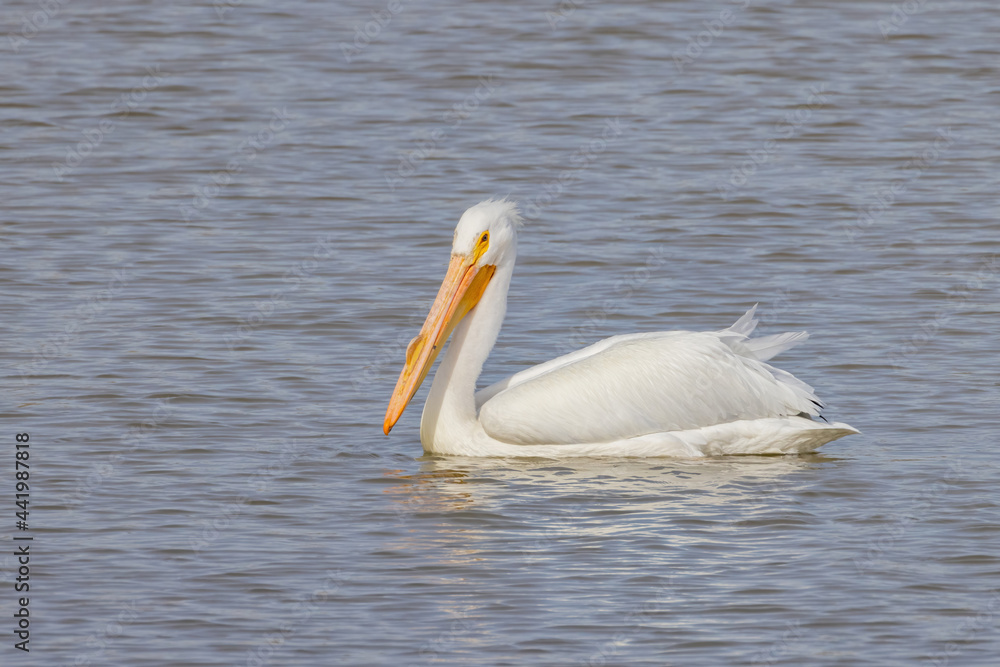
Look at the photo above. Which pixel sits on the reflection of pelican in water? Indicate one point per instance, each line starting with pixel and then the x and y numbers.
pixel 675 393
pixel 425 491
pixel 726 489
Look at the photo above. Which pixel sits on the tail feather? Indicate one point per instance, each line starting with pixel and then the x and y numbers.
pixel 799 387
pixel 765 347
pixel 746 324
pixel 762 348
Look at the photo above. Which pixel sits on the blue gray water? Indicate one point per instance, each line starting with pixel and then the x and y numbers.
pixel 223 222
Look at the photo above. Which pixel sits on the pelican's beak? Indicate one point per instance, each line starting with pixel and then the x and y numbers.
pixel 461 290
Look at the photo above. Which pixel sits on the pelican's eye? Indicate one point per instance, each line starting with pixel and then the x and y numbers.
pixel 482 245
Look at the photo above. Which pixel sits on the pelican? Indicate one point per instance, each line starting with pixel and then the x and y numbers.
pixel 671 393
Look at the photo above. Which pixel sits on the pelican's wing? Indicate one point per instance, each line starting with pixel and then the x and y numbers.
pixel 489 392
pixel 637 384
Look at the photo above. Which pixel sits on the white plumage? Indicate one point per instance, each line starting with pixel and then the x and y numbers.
pixel 677 393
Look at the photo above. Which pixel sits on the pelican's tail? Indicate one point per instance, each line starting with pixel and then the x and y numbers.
pixel 746 324
pixel 762 348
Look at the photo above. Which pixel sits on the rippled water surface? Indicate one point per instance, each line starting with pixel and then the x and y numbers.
pixel 223 222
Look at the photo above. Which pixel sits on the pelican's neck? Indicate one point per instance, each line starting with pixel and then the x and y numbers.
pixel 450 411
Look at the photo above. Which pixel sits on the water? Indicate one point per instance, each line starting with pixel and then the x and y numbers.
pixel 208 284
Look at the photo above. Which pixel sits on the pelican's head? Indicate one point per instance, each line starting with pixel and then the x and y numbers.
pixel 494 220
pixel 485 238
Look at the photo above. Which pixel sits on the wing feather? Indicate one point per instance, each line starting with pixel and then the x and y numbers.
pixel 634 385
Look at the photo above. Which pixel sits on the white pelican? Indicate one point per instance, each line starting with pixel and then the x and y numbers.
pixel 672 393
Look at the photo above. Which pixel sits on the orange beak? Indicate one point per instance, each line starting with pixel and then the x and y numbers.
pixel 461 290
